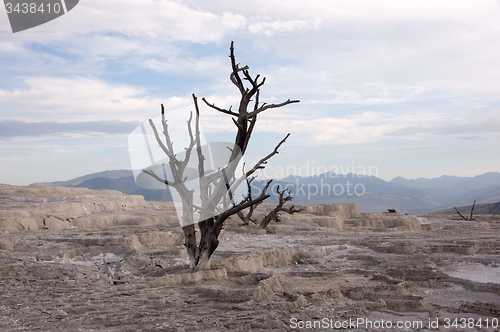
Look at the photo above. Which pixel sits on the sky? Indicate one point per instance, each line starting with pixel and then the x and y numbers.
pixel 391 88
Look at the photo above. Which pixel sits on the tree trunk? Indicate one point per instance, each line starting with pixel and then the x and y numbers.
pixel 189 229
pixel 190 243
pixel 209 240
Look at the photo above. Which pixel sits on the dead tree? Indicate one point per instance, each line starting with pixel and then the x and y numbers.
pixel 247 218
pixel 274 214
pixel 217 188
pixel 471 217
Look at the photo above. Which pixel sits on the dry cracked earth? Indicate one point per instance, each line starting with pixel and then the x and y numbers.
pixel 83 260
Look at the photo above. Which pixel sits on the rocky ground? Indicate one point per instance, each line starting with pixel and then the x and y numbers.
pixel 83 260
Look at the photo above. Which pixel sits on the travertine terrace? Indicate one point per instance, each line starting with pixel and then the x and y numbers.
pixel 84 260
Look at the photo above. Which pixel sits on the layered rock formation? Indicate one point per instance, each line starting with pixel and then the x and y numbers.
pixel 32 208
pixel 119 264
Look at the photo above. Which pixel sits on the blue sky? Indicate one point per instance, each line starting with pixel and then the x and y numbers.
pixel 409 88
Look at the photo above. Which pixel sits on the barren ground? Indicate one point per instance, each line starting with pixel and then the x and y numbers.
pixel 82 260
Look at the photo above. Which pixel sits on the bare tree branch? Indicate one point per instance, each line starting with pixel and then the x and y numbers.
pixel 247 203
pixel 274 214
pixel 264 160
pixel 153 174
pixel 201 157
pixel 219 109
pixel 472 209
pixel 168 152
pixel 250 130
pixel 460 214
pixel 253 82
pixel 183 164
pixel 248 217
pixel 259 164
pixel 471 217
pixel 268 106
pixel 177 167
pixel 235 77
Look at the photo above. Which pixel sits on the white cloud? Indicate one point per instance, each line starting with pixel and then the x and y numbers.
pixel 80 99
pixel 369 127
pixel 163 20
pixel 27 150
pixel 232 21
pixel 206 66
pixel 102 30
pixel 273 27
pixel 448 46
pixel 10 47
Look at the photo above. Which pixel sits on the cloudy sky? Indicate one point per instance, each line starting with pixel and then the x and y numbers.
pixel 403 88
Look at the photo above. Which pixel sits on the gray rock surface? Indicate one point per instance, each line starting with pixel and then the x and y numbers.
pixel 103 261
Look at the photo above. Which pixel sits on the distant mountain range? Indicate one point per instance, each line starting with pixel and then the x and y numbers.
pixel 457 190
pixel 371 193
pixel 486 208
pixel 408 196
pixel 121 180
pixel 72 183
